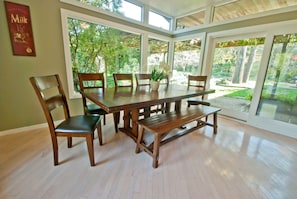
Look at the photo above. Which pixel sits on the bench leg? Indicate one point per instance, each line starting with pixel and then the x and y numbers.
pixel 215 125
pixel 139 139
pixel 156 150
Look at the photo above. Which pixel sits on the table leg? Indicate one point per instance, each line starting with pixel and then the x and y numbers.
pixel 167 107
pixel 177 106
pixel 135 118
pixel 126 119
pixel 131 123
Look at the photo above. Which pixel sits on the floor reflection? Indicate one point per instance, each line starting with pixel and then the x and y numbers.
pixel 265 164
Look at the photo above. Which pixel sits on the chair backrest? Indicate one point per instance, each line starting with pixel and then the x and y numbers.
pixel 51 95
pixel 165 80
pixel 143 79
pixel 89 81
pixel 123 80
pixel 197 81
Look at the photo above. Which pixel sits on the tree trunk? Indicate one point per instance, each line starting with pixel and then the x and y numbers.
pixel 238 72
pixel 248 66
pixel 279 69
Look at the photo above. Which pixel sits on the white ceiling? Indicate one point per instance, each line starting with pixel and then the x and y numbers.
pixel 177 8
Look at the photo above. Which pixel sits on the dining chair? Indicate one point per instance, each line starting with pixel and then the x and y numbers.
pixel 165 81
pixel 90 81
pixel 143 79
pixel 123 79
pixel 52 98
pixel 198 82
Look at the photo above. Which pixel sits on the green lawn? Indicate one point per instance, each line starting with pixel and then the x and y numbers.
pixel 286 95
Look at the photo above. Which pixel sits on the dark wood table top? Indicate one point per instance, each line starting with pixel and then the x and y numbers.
pixel 127 98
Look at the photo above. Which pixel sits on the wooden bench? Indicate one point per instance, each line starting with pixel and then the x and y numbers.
pixel 161 125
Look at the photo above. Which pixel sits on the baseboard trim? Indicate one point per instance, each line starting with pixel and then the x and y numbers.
pixel 22 129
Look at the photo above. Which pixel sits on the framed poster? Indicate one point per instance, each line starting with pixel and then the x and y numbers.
pixel 20 29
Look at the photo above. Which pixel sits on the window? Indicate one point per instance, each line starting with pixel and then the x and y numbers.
pixel 189 21
pixel 158 52
pixel 186 59
pixel 93 47
pixel 131 10
pixel 159 21
pixel 122 7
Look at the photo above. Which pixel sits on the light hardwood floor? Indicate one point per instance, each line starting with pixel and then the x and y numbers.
pixel 239 162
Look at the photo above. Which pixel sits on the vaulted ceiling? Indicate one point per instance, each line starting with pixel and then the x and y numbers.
pixel 178 8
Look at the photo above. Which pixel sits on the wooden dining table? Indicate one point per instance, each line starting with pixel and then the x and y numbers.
pixel 132 99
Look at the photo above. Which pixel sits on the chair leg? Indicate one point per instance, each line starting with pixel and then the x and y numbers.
pixel 215 123
pixel 99 131
pixel 89 141
pixel 104 119
pixel 116 120
pixel 69 141
pixel 55 150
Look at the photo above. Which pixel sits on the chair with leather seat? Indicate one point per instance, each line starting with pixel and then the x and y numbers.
pixel 198 82
pixel 52 98
pixel 91 81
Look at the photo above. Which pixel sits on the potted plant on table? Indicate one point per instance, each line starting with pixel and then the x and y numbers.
pixel 156 77
pixel 158 74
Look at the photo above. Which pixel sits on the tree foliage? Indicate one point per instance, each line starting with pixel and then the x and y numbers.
pixel 97 48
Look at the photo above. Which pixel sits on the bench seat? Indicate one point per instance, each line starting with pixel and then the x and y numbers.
pixel 160 125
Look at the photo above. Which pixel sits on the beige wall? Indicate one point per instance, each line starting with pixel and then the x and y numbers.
pixel 18 103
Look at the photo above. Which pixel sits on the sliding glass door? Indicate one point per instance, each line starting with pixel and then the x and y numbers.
pixel 278 99
pixel 235 68
pixel 255 77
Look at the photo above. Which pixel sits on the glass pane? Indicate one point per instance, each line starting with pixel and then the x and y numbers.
pixel 234 73
pixel 131 10
pixel 112 6
pixel 190 20
pixel 241 8
pixel 159 21
pixel 279 94
pixel 121 7
pixel 158 52
pixel 97 48
pixel 186 59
